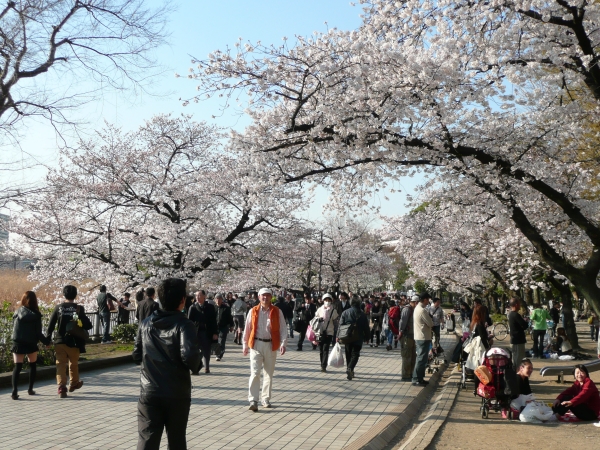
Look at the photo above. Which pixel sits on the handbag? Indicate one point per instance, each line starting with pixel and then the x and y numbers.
pixel 346 333
pixel 323 329
pixel 74 329
pixel 296 325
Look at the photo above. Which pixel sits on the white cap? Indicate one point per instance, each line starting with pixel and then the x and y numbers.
pixel 265 291
pixel 415 298
pixel 327 296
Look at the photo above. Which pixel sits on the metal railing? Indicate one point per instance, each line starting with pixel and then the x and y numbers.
pixel 96 331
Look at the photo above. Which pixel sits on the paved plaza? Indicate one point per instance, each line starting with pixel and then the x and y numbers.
pixel 310 409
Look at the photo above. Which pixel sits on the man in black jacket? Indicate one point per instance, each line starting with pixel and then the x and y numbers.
pixel 147 306
pixel 224 323
pixel 204 317
pixel 517 327
pixel 352 349
pixel 67 346
pixel 167 348
pixel 304 313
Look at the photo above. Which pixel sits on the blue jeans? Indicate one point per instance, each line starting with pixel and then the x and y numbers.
pixel 222 340
pixel 390 336
pixel 421 363
pixel 105 316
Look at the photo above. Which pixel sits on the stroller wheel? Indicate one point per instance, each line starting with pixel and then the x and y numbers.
pixel 485 411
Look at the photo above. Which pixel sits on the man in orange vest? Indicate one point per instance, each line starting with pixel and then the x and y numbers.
pixel 264 334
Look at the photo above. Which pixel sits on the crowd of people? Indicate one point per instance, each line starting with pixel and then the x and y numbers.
pixel 178 332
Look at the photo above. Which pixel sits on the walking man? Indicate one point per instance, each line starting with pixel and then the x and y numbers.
pixel 422 323
pixel 147 306
pixel 361 332
pixel 407 339
pixel 264 335
pixel 305 313
pixel 238 311
pixel 66 345
pixel 204 317
pixel 224 323
pixel 167 348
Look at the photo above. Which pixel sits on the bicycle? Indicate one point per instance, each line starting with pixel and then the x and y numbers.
pixel 499 331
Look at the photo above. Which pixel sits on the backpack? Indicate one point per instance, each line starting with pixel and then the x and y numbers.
pixel 73 328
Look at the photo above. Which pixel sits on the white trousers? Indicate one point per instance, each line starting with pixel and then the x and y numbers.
pixel 262 358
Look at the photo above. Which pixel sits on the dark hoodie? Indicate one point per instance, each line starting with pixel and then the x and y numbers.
pixel 167 348
pixel 27 327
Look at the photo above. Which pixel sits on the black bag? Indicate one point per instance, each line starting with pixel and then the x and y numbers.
pixel 347 333
pixel 296 325
pixel 215 349
pixel 73 329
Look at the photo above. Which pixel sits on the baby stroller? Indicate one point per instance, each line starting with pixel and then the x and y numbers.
pixel 435 357
pixel 496 376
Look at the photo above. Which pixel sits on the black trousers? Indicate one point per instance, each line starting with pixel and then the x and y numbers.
pixel 538 342
pixel 156 413
pixel 582 412
pixel 204 344
pixel 302 334
pixel 222 340
pixel 352 351
pixel 324 344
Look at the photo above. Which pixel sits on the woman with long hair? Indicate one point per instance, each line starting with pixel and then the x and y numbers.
pixel 27 332
pixel 478 325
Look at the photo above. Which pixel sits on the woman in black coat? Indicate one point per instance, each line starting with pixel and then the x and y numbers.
pixel 27 332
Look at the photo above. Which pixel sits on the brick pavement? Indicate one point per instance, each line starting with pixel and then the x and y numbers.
pixel 310 409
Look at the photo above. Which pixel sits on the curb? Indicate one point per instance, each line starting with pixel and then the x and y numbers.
pixel 382 433
pixel 49 372
pixel 424 434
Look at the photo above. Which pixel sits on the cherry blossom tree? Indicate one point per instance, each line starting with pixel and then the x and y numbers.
pixel 164 200
pixel 501 95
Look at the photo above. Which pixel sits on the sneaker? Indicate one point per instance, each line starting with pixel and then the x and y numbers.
pixel 14 396
pixel 106 342
pixel 422 383
pixel 388 347
pixel 266 404
pixel 349 374
pixel 62 391
pixel 30 392
pixel 218 358
pixel 76 386
pixel 253 406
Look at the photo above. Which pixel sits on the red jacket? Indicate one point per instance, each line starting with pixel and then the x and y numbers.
pixel 583 394
pixel 394 319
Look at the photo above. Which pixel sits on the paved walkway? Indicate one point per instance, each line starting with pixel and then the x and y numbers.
pixel 310 409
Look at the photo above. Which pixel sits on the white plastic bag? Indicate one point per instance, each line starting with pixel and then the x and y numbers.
pixel 536 412
pixel 521 401
pixel 466 326
pixel 336 357
pixel 566 357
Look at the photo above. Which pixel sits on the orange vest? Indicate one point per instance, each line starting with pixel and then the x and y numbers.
pixel 274 317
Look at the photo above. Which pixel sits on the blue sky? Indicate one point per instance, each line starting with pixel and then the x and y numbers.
pixel 197 28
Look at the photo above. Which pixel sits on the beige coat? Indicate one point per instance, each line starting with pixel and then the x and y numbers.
pixel 422 322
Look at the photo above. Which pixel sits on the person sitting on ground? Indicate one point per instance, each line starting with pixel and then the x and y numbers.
pixel 582 399
pixel 525 371
pixel 563 345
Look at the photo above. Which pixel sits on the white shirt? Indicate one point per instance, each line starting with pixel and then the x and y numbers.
pixel 263 330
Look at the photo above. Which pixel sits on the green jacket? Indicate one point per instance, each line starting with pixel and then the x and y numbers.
pixel 539 318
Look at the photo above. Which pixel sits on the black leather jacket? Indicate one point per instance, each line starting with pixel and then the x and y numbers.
pixel 27 327
pixel 167 348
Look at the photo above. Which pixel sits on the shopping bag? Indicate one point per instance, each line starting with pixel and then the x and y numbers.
pixel 336 357
pixel 310 334
pixel 484 374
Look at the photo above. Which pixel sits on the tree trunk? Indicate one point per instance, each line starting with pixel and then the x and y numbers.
pixel 567 311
